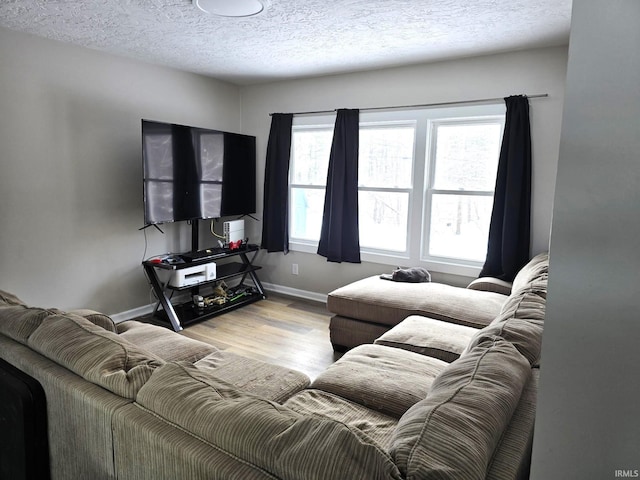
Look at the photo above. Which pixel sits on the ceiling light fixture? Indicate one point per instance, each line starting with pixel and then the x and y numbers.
pixel 231 8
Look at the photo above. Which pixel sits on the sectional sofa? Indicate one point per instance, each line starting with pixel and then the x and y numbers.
pixel 427 400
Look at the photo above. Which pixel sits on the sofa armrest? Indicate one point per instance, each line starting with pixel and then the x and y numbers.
pixel 491 284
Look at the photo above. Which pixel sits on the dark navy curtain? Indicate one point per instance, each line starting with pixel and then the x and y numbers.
pixel 275 216
pixel 339 237
pixel 509 232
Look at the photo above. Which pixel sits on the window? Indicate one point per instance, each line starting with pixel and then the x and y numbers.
pixel 463 161
pixel 385 168
pixel 426 180
pixel 310 148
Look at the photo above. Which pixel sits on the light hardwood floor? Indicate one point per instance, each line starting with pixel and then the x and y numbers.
pixel 285 331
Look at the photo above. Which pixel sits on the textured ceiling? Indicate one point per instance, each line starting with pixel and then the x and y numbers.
pixel 294 38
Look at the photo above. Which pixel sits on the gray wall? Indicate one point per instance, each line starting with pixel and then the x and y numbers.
pixel 588 422
pixel 529 72
pixel 71 168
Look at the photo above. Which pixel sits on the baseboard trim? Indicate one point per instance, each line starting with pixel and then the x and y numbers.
pixel 295 292
pixel 269 287
pixel 131 314
pixel 142 311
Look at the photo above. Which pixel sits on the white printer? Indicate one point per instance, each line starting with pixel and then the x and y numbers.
pixel 187 277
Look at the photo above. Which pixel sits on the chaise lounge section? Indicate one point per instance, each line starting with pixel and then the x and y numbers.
pixel 138 401
pixel 365 309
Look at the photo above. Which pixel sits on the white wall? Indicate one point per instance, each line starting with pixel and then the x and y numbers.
pixel 71 168
pixel 588 422
pixel 528 72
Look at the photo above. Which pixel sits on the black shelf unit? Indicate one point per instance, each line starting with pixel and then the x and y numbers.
pixel 182 314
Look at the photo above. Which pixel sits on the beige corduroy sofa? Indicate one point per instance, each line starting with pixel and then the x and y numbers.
pixel 365 309
pixel 137 401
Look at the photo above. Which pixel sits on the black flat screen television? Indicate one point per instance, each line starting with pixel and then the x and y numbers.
pixel 193 173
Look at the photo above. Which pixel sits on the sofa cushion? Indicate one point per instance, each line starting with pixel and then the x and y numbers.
pixel 10 299
pixel 536 267
pixel 512 457
pixel 378 426
pixel 148 447
pixel 92 352
pixel 97 318
pixel 427 336
pixel 452 434
pixel 283 442
pixel 19 322
pixel 265 380
pixel 388 303
pixel 521 323
pixel 386 379
pixel 164 343
pixel 524 335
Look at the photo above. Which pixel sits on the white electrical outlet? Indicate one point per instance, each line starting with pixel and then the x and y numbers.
pixel 294 269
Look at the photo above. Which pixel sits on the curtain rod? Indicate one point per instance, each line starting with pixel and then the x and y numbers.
pixel 422 105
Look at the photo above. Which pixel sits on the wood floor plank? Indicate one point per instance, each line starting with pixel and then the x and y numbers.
pixel 289 332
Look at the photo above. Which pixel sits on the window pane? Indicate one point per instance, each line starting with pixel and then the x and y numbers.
pixel 310 153
pixel 460 226
pixel 386 156
pixel 467 156
pixel 383 220
pixel 307 206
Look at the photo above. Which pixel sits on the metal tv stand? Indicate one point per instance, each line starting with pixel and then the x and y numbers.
pixel 185 313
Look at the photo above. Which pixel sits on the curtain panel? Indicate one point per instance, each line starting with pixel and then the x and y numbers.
pixel 275 216
pixel 339 236
pixel 509 231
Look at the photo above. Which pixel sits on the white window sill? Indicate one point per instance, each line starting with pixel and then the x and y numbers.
pixel 400 260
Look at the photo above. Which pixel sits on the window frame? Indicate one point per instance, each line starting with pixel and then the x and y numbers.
pixel 423 166
pixel 430 189
pixel 379 121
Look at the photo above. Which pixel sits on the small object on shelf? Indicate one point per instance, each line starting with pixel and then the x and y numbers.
pixel 206 254
pixel 198 301
pixel 235 245
pixel 221 289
